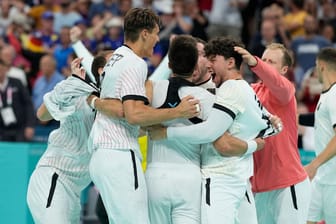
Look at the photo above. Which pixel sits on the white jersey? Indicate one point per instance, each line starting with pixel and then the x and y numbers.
pixel 325 122
pixel 170 150
pixel 67 146
pixel 239 98
pixel 125 76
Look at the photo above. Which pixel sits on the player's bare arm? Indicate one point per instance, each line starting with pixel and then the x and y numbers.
pixel 227 145
pixel 137 113
pixel 43 113
pixel 110 107
pixel 328 153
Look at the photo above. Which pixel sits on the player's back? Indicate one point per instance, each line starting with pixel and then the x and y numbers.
pixel 172 151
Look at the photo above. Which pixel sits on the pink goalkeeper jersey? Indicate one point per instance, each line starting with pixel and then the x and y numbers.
pixel 278 165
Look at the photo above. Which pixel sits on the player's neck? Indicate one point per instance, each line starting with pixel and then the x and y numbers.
pixel 234 74
pixel 134 47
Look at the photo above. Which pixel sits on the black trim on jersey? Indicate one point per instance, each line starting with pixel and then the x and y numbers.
pixel 292 189
pixel 199 84
pixel 135 173
pixel 324 91
pixel 135 97
pixel 247 197
pixel 207 191
pixel 195 120
pixel 128 47
pixel 225 109
pixel 172 97
pixel 52 189
pixel 212 90
pixel 334 126
pixel 87 81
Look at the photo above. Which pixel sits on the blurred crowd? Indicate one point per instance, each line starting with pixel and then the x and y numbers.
pixel 36 49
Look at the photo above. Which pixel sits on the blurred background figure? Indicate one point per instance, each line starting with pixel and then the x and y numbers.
pixel 48 79
pixel 17 119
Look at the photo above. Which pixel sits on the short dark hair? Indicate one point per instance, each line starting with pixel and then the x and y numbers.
pixel 328 55
pixel 99 61
pixel 183 55
pixel 138 19
pixel 199 40
pixel 224 46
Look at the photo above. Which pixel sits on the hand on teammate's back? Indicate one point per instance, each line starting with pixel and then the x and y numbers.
pixel 189 107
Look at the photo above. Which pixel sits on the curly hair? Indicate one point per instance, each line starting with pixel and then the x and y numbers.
pixel 183 55
pixel 224 46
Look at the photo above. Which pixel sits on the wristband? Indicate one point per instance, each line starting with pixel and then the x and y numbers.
pixel 92 104
pixel 251 147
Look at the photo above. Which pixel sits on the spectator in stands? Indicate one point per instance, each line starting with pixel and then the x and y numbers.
pixel 110 6
pixel 294 19
pixel 48 36
pixel 310 90
pixel 266 36
pixel 199 20
pixel 114 33
pixel 82 7
pixel 7 54
pixel 19 6
pixel 63 49
pixel 66 16
pixel 16 109
pixel 37 11
pixel 174 21
pixel 225 18
pixel 47 81
pixel 5 19
pixel 307 46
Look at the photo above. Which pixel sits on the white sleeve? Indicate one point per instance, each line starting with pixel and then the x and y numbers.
pixel 205 132
pixel 133 81
pixel 162 71
pixel 82 52
pixel 230 95
pixel 332 108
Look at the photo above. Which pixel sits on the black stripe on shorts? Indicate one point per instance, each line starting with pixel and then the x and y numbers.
pixel 52 189
pixel 136 183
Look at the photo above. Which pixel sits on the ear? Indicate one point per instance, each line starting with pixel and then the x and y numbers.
pixel 100 70
pixel 231 62
pixel 144 34
pixel 284 70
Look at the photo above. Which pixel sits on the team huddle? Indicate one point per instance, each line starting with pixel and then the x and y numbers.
pixel 220 150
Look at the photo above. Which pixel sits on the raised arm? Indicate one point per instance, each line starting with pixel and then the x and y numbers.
pixel 280 87
pixel 82 51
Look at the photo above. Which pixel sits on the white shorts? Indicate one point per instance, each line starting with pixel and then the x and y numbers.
pixel 247 213
pixel 120 180
pixel 221 197
pixel 323 203
pixel 285 205
pixel 174 193
pixel 50 200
